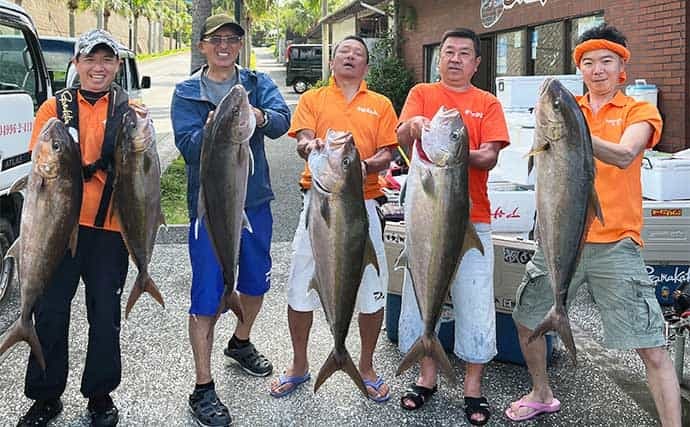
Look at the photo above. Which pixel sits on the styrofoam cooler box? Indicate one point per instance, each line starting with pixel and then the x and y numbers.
pixel 521 92
pixel 666 251
pixel 665 177
pixel 512 208
pixel 512 166
pixel 516 121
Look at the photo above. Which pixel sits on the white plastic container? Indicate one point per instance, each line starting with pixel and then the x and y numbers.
pixel 521 92
pixel 642 91
pixel 512 166
pixel 512 208
pixel 665 178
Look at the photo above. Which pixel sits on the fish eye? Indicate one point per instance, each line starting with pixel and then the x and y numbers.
pixel 346 162
pixel 455 135
pixel 56 146
pixel 557 105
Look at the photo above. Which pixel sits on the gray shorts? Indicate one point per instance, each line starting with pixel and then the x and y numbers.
pixel 620 286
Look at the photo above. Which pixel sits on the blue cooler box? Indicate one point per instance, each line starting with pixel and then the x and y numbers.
pixel 445 333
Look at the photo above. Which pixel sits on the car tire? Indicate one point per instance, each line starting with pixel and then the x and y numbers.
pixel 300 86
pixel 6 240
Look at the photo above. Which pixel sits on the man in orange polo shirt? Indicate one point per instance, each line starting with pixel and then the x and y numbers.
pixel 610 262
pixel 345 104
pixel 101 259
pixel 472 287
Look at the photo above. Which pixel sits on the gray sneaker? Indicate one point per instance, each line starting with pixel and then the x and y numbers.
pixel 207 410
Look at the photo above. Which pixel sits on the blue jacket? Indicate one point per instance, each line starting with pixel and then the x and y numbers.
pixel 189 112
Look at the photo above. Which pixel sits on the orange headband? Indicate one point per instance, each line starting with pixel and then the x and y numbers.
pixel 594 44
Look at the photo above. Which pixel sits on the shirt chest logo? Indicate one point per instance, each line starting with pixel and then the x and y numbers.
pixel 368 110
pixel 614 122
pixel 473 114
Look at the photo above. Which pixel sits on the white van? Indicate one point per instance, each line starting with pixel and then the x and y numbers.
pixel 24 86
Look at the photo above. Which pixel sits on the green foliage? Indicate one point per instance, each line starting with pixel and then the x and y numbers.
pixel 174 193
pixel 388 75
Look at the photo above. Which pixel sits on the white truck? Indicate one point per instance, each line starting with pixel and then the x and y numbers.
pixel 24 85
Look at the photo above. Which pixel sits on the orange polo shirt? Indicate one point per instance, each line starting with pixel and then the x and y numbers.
pixel 369 116
pixel 91 132
pixel 619 190
pixel 483 116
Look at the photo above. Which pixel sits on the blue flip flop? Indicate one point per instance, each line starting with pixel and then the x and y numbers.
pixel 376 385
pixel 295 381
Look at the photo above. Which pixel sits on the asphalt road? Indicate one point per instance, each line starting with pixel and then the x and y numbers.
pixel 606 388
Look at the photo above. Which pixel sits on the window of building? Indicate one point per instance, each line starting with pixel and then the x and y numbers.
pixel 431 59
pixel 510 53
pixel 547 49
pixel 577 27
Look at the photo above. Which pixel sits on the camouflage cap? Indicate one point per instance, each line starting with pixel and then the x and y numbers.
pixel 214 22
pixel 90 39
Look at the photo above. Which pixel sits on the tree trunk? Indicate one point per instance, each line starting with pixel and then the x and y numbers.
pixel 150 38
pixel 106 17
pixel 99 18
pixel 201 10
pixel 72 29
pixel 135 33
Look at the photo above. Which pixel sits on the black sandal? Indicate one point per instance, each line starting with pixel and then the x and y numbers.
pixel 418 395
pixel 251 361
pixel 208 410
pixel 477 405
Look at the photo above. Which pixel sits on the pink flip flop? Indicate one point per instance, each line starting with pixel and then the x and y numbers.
pixel 539 408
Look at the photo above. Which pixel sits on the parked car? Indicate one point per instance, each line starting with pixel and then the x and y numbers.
pixel 24 86
pixel 58 53
pixel 303 67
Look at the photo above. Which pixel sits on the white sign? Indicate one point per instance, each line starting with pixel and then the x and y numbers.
pixel 491 11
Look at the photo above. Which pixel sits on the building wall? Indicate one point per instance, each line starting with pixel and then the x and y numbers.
pixel 656 30
pixel 51 18
pixel 342 29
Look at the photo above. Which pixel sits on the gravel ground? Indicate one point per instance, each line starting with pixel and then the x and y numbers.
pixel 158 371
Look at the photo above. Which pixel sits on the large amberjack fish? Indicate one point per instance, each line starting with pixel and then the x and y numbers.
pixel 49 225
pixel 137 197
pixel 565 194
pixel 439 231
pixel 226 162
pixel 339 231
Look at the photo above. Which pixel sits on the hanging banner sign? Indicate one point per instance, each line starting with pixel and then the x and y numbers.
pixel 491 11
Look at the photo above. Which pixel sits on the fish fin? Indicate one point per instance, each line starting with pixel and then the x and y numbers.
pixel 143 283
pixel 231 300
pixel 530 165
pixel 313 285
pixel 557 320
pixel 472 240
pixel 403 193
pixel 7 275
pixel 370 256
pixel 428 182
pixel 14 252
pixel 245 222
pixel 73 239
pixel 201 204
pixel 596 206
pixel 161 220
pixel 340 363
pixel 24 331
pixel 326 212
pixel 19 184
pixel 428 346
pixel 536 149
pixel 402 261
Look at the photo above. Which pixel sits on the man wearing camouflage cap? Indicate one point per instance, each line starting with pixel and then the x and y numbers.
pixel 93 113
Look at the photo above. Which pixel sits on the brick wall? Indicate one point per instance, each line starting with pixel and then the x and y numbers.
pixel 657 32
pixel 51 18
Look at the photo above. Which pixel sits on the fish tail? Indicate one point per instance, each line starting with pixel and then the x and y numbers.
pixel 231 300
pixel 340 362
pixel 557 320
pixel 24 331
pixel 143 283
pixel 427 346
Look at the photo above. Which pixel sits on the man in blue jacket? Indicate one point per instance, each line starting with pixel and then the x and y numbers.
pixel 193 102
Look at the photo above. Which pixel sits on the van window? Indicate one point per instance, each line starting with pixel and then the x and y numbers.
pixel 17 69
pixel 305 53
pixel 133 76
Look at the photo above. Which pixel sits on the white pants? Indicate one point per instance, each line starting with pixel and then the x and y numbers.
pixel 372 291
pixel 472 293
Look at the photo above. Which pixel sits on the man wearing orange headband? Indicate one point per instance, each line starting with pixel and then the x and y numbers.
pixel 610 261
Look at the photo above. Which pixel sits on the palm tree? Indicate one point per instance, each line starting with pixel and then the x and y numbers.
pixel 201 9
pixel 103 9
